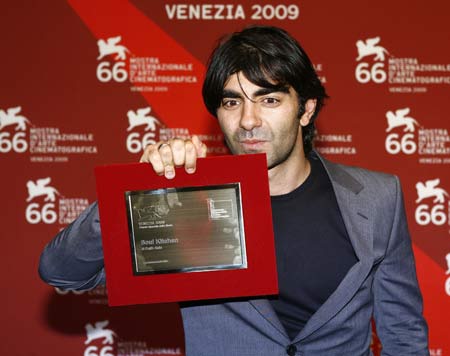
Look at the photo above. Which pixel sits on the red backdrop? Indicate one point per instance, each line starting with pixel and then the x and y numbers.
pixel 90 82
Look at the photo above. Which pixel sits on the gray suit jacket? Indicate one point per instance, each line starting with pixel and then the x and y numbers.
pixel 381 284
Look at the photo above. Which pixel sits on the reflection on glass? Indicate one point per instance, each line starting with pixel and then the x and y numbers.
pixel 186 229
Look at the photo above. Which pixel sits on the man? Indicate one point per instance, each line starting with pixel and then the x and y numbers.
pixel 343 249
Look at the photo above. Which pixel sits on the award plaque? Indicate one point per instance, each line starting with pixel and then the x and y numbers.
pixel 164 225
pixel 201 236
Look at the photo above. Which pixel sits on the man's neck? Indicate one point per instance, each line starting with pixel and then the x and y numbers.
pixel 289 175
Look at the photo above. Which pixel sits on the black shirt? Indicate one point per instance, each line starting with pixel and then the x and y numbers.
pixel 313 249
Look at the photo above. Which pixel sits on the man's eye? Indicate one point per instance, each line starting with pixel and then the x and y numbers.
pixel 271 101
pixel 230 103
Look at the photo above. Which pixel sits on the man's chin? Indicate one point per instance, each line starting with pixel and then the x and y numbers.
pixel 251 151
pixel 242 150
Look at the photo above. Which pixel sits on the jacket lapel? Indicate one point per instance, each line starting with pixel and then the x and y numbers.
pixel 262 316
pixel 356 215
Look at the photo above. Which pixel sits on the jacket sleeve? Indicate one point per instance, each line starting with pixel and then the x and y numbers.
pixel 73 260
pixel 397 300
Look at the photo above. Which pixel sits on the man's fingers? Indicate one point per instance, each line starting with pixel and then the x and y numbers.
pixel 178 151
pixel 191 157
pixel 166 155
pixel 165 151
pixel 151 155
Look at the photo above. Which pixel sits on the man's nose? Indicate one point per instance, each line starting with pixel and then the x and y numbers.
pixel 249 116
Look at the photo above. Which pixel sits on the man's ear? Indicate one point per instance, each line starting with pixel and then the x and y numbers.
pixel 310 108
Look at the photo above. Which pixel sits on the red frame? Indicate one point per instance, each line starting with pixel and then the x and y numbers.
pixel 259 278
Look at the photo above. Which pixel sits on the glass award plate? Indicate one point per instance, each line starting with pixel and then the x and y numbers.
pixel 186 229
pixel 200 236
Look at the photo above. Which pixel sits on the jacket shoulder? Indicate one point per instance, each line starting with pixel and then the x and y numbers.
pixel 360 179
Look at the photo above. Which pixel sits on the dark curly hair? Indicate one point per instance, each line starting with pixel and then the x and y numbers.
pixel 265 55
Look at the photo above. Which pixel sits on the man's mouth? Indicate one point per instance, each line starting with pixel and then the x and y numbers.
pixel 252 144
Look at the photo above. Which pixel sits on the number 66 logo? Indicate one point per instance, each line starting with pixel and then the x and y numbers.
pixel 16 142
pixel 436 215
pixel 35 213
pixel 395 144
pixel 364 73
pixel 116 72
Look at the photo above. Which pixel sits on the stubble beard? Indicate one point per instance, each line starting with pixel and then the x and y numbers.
pixel 274 158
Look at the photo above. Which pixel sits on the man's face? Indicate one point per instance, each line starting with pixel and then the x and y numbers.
pixel 260 120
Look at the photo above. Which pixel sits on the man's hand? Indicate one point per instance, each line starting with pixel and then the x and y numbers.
pixel 166 155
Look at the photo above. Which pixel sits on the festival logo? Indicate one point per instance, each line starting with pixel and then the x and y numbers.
pixel 11 117
pixel 145 129
pixel 142 117
pixel 107 71
pixel 112 46
pixel 45 204
pixel 370 47
pixel 142 128
pixel 431 200
pixel 403 74
pixel 405 135
pixel 147 74
pixel 40 188
pixel 41 210
pixel 404 139
pixel 373 66
pixel 99 331
pixel 44 144
pixel 100 340
pixel 13 130
pixel 399 119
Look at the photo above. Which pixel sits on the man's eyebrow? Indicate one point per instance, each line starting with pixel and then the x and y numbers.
pixel 265 91
pixel 260 92
pixel 231 94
